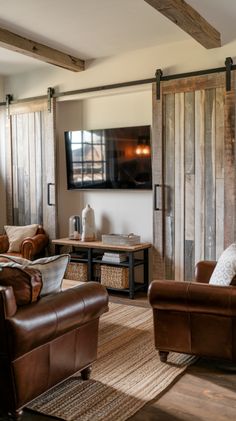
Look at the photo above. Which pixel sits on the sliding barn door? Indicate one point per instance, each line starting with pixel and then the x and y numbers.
pixel 31 165
pixel 193 173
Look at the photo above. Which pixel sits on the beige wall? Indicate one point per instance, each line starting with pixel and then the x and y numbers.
pixel 118 211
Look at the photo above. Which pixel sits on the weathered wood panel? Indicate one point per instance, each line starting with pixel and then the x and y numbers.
pixel 157 168
pixel 169 171
pixel 189 157
pixel 210 222
pixel 179 186
pixel 196 83
pixel 203 189
pixel 32 132
pixel 229 169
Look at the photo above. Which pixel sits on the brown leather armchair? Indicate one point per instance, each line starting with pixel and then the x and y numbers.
pixel 31 248
pixel 44 342
pixel 194 317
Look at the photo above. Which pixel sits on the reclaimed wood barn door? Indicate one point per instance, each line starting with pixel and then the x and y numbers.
pixel 31 176
pixel 193 173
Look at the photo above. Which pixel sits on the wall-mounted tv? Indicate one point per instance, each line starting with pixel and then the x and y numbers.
pixel 118 158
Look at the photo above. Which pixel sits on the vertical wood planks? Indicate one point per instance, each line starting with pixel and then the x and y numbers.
pixel 229 168
pixel 189 146
pixel 169 170
pixel 179 187
pixel 199 175
pixel 210 221
pixel 157 168
pixel 219 142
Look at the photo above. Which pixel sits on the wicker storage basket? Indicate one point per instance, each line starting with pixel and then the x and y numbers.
pixel 114 277
pixel 76 271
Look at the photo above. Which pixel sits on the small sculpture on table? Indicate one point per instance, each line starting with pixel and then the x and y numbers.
pixel 88 224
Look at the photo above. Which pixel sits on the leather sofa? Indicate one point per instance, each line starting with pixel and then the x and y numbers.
pixel 31 248
pixel 46 341
pixel 194 317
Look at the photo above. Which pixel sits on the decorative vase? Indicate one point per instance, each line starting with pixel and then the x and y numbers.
pixel 88 224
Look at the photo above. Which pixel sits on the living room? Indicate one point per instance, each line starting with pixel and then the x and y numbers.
pixel 109 93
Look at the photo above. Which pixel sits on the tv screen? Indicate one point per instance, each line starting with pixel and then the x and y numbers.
pixel 118 158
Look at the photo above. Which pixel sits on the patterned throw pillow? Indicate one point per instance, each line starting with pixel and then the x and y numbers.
pixel 17 234
pixel 225 269
pixel 52 270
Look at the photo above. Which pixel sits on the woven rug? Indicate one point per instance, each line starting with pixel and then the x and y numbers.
pixel 126 375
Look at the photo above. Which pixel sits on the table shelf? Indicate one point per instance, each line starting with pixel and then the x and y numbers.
pixel 91 253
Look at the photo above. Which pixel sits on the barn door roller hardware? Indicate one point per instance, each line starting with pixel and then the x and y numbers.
pixel 50 92
pixel 158 83
pixel 228 65
pixel 9 98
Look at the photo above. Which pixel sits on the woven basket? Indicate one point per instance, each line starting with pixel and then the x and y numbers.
pixel 76 271
pixel 114 277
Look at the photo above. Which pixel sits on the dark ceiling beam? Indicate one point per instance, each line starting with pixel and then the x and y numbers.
pixel 39 51
pixel 189 20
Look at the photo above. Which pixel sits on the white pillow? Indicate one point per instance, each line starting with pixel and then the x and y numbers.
pixel 52 269
pixel 225 269
pixel 17 234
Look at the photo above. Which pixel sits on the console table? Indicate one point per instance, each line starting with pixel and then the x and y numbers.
pixel 92 248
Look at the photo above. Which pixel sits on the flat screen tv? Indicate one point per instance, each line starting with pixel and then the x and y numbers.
pixel 118 158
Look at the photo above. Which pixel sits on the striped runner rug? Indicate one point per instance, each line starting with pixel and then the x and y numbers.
pixel 126 375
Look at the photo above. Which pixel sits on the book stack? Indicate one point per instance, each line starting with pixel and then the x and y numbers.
pixel 114 257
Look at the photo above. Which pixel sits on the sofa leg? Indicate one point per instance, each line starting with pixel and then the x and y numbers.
pixel 85 373
pixel 15 415
pixel 163 356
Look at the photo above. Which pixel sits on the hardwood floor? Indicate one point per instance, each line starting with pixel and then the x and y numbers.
pixel 206 392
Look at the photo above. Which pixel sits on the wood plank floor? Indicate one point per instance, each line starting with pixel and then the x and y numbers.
pixel 206 391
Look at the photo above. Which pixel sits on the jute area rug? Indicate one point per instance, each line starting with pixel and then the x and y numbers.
pixel 126 375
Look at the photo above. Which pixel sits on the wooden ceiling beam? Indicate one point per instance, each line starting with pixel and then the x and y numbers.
pixel 39 51
pixel 189 20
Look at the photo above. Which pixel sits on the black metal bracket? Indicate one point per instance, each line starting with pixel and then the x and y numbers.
pixel 228 65
pixel 50 92
pixel 158 83
pixel 9 98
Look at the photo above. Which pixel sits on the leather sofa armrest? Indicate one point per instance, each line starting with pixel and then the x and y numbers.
pixel 33 246
pixel 8 305
pixel 204 270
pixel 4 243
pixel 192 297
pixel 54 315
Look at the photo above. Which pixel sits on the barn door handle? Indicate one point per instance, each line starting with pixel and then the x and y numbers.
pixel 157 197
pixel 49 186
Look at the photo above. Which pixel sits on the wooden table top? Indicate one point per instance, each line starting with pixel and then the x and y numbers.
pixel 100 245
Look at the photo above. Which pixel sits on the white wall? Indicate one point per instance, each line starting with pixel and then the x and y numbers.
pixel 139 64
pixel 118 211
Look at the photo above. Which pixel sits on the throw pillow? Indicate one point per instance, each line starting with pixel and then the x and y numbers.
pixel 26 283
pixel 17 234
pixel 225 269
pixel 5 258
pixel 52 270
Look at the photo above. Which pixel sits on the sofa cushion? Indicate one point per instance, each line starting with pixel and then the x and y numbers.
pixel 52 269
pixel 225 269
pixel 26 283
pixel 17 234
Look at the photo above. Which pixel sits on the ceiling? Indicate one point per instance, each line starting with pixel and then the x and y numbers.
pixel 90 29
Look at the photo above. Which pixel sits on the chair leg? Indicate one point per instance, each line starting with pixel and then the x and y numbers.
pixel 163 356
pixel 85 373
pixel 15 415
